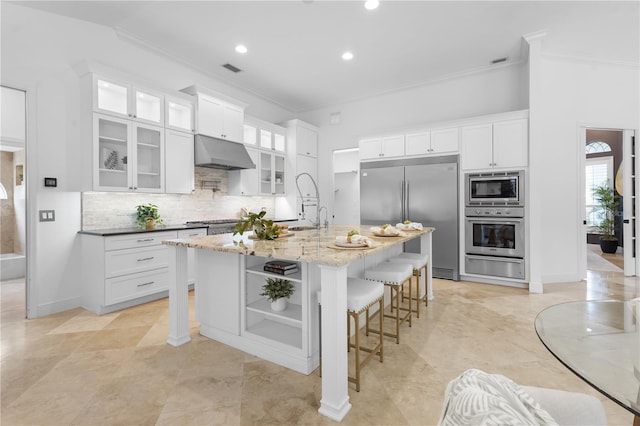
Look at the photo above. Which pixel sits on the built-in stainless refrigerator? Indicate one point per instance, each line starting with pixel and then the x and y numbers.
pixel 421 190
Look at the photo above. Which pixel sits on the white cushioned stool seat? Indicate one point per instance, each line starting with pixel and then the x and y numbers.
pixel 418 261
pixel 389 273
pixel 361 293
pixel 394 275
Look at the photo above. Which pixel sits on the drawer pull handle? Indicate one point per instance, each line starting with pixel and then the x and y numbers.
pixel 146 240
pixel 143 284
pixel 193 235
pixel 146 258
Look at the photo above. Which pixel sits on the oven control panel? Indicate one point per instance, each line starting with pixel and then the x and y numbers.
pixel 494 212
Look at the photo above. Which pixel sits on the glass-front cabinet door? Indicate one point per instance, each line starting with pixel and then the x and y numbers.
pixel 123 100
pixel 179 115
pixel 148 107
pixel 149 143
pixel 279 172
pixel 266 172
pixel 272 174
pixel 111 154
pixel 111 97
pixel 127 156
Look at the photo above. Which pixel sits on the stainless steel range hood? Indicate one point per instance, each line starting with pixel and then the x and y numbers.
pixel 221 154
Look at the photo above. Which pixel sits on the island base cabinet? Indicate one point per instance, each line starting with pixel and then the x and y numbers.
pixel 217 291
pixel 231 309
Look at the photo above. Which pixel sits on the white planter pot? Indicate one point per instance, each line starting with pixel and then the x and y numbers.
pixel 279 305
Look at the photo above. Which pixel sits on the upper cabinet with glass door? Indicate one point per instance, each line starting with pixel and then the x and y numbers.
pixel 179 114
pixel 128 101
pixel 127 156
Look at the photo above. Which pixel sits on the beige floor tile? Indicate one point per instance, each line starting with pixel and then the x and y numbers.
pixel 79 368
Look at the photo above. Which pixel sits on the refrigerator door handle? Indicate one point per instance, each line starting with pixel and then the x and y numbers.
pixel 402 200
pixel 406 200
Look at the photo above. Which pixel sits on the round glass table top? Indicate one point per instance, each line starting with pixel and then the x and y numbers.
pixel 598 341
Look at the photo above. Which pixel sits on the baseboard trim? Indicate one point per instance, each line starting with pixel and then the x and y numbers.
pixel 57 306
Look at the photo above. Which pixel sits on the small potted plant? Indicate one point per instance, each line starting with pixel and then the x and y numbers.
pixel 147 216
pixel 608 204
pixel 264 229
pixel 277 290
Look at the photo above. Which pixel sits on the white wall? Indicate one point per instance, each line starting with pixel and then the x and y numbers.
pixel 572 94
pixel 497 90
pixel 39 51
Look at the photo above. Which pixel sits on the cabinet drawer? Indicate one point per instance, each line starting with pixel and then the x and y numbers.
pixel 137 240
pixel 137 285
pixel 129 261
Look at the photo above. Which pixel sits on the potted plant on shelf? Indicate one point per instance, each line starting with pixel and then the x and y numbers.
pixel 264 229
pixel 608 204
pixel 147 216
pixel 277 290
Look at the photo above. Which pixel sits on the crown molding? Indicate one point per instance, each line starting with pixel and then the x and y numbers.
pixel 591 59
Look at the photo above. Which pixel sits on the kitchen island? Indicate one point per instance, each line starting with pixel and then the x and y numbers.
pixel 228 269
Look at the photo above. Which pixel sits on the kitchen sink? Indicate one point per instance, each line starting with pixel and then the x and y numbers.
pixel 301 228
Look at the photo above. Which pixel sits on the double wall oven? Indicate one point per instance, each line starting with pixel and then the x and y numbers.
pixel 495 224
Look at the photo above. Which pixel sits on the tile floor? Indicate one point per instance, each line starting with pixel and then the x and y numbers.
pixel 76 368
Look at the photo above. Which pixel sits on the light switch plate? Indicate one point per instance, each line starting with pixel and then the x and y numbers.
pixel 47 215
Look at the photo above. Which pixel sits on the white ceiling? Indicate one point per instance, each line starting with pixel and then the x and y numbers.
pixel 295 47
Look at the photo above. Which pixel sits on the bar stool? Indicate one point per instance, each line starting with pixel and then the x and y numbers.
pixel 362 295
pixel 419 263
pixel 393 275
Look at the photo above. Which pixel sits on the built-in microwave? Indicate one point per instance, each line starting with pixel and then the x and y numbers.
pixel 495 188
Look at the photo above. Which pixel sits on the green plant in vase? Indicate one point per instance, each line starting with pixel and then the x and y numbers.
pixel 277 290
pixel 264 229
pixel 147 216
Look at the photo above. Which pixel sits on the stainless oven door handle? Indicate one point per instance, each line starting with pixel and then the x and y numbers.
pixel 495 259
pixel 496 220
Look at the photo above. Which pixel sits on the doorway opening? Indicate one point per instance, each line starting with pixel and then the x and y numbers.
pixel 13 194
pixel 604 173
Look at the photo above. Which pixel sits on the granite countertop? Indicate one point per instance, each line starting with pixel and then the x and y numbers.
pixel 304 246
pixel 138 230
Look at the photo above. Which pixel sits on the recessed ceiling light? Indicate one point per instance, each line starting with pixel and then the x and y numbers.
pixel 347 56
pixel 371 4
pixel 241 48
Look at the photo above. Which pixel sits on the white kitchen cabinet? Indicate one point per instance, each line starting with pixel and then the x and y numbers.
pixel 510 143
pixel 179 114
pixel 220 119
pixel 444 141
pixel 384 147
pixel 272 173
pixel 127 156
pixel 501 144
pixel 124 270
pixel 128 101
pixel 246 181
pixel 304 136
pixel 179 162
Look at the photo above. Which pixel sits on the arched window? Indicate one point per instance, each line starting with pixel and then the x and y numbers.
pixel 596 147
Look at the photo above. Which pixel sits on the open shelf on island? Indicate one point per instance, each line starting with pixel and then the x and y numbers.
pixel 276 331
pixel 292 314
pixel 258 270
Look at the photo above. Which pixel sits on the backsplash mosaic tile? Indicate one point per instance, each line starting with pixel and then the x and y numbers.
pixel 101 210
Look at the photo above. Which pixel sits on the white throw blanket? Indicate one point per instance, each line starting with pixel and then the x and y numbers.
pixel 357 239
pixel 478 398
pixel 408 226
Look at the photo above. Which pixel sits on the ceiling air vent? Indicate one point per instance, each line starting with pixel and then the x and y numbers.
pixel 231 68
pixel 497 61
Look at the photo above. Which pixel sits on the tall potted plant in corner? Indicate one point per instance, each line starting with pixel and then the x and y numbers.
pixel 608 204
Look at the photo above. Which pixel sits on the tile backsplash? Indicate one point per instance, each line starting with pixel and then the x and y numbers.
pixel 101 210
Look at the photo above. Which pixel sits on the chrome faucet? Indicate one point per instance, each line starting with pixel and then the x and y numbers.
pixel 326 214
pixel 311 201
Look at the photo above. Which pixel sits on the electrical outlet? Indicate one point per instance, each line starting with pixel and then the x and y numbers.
pixel 47 215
